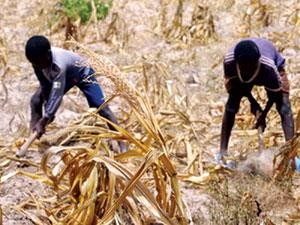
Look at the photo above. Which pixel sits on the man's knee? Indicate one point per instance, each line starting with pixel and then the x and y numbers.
pixel 231 109
pixel 93 93
pixel 232 105
pixel 284 108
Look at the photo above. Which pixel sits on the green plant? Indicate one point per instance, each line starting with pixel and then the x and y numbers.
pixel 82 9
pixel 102 9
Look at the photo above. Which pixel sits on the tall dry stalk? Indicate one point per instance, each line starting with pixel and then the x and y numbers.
pixel 283 161
pixel 201 29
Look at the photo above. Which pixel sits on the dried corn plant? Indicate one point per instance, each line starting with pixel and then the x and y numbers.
pixel 283 161
pixel 187 136
pixel 93 186
pixel 201 28
pixel 293 13
pixel 3 53
pixel 176 29
pixel 163 14
pixel 255 16
pixel 3 71
pixel 170 104
pixel 225 5
pixel 49 16
pixel 288 37
pixel 117 31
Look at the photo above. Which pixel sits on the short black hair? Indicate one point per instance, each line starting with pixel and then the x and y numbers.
pixel 36 47
pixel 246 51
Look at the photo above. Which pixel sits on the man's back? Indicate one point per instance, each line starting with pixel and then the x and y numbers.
pixel 66 63
pixel 270 62
pixel 268 52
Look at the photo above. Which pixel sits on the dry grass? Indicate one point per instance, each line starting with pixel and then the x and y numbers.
pixel 201 29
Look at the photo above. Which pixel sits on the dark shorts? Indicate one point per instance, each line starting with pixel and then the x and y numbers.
pixel 90 87
pixel 92 90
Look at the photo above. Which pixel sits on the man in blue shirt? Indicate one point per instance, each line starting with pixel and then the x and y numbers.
pixel 58 70
pixel 252 62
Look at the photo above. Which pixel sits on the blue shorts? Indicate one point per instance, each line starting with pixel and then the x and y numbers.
pixel 92 90
pixel 90 87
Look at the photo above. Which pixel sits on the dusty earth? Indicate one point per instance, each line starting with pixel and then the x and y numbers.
pixel 199 69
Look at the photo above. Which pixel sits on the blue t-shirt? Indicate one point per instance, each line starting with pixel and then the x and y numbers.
pixel 67 69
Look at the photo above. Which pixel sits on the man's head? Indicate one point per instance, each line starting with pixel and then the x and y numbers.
pixel 38 51
pixel 246 54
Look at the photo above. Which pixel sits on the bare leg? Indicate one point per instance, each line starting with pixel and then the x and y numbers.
pixel 287 121
pixel 231 109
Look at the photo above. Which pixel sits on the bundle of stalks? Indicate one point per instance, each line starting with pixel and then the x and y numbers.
pixel 171 102
pixel 3 69
pixel 203 26
pixel 3 53
pixel 287 37
pixel 225 5
pixel 256 15
pixel 201 29
pixel 117 31
pixel 94 186
pixel 284 159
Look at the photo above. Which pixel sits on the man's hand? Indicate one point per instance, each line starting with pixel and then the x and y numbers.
pixel 40 126
pixel 34 120
pixel 36 105
pixel 254 106
pixel 261 116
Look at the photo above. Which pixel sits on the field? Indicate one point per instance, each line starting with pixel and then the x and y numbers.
pixel 160 65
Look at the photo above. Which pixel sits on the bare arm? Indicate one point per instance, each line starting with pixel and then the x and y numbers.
pixel 36 106
pixel 53 102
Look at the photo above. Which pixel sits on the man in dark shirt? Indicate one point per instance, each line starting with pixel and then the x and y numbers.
pixel 58 70
pixel 252 62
